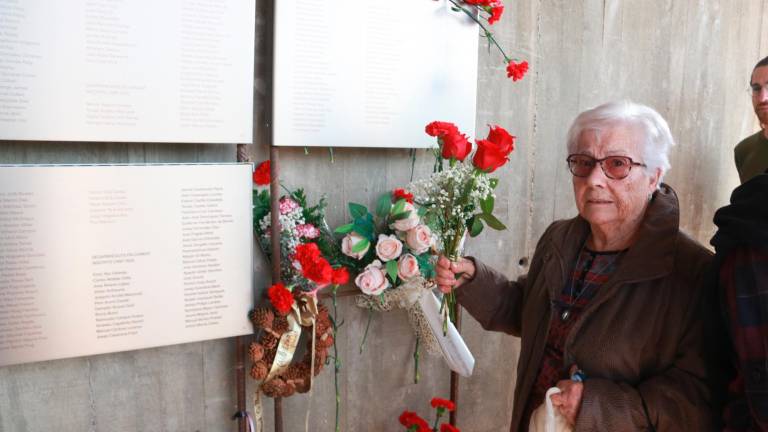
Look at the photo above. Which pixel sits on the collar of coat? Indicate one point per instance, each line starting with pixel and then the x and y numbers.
pixel 653 254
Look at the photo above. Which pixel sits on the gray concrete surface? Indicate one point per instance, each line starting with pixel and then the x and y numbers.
pixel 689 59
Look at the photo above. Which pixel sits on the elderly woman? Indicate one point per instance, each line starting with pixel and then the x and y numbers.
pixel 613 296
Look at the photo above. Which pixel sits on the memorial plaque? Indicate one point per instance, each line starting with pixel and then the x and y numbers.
pixel 97 259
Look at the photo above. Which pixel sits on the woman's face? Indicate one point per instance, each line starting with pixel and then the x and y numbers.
pixel 612 203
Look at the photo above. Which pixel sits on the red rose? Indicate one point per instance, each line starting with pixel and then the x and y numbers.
pixel 516 71
pixel 496 10
pixel 488 156
pixel 438 128
pixel 340 276
pixel 479 2
pixel 443 403
pixel 408 419
pixel 306 253
pixel 455 145
pixel 399 194
pixel 445 427
pixel 280 297
pixel 502 139
pixel 261 175
pixel 318 271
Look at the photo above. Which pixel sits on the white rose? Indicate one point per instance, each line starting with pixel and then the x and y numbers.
pixel 419 239
pixel 373 280
pixel 388 247
pixel 408 267
pixel 349 241
pixel 411 221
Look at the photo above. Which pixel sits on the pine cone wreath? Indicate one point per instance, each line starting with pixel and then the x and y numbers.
pixel 256 351
pixel 280 325
pixel 259 370
pixel 262 318
pixel 269 341
pixel 274 387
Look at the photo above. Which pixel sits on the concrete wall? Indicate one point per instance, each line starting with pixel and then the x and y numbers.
pixel 689 59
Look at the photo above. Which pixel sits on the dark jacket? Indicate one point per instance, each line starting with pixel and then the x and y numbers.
pixel 741 264
pixel 639 340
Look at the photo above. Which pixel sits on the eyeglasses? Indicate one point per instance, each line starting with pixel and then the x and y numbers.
pixel 614 167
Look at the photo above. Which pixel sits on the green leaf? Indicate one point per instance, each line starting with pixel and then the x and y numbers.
pixel 486 205
pixel 357 210
pixel 421 211
pixel 364 227
pixel 492 221
pixel 494 182
pixel 475 226
pixel 392 270
pixel 344 229
pixel 384 205
pixel 425 265
pixel 399 207
pixel 401 215
pixel 360 246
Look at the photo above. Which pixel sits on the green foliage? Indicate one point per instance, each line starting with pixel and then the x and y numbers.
pixel 475 226
pixel 361 245
pixel 487 204
pixel 425 265
pixel 492 221
pixel 392 270
pixel 357 210
pixel 384 205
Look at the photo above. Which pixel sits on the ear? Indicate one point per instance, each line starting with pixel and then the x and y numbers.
pixel 653 180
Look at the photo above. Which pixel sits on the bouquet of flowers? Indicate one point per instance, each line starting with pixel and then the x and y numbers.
pixel 392 255
pixel 459 199
pixel 414 423
pixel 300 224
pixel 306 243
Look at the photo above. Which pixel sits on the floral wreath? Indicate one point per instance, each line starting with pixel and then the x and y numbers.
pixel 273 323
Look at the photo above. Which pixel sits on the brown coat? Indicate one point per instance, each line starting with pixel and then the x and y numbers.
pixel 640 339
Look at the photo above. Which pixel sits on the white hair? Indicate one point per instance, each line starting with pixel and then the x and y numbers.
pixel 657 139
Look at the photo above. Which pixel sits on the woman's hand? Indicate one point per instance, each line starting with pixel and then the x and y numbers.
pixel 568 401
pixel 448 271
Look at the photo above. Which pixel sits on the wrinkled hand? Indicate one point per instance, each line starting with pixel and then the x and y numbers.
pixel 568 401
pixel 448 271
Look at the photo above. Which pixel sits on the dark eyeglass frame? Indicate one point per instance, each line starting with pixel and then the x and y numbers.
pixel 630 163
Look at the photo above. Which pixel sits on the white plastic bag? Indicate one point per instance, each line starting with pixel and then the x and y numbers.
pixel 455 351
pixel 546 419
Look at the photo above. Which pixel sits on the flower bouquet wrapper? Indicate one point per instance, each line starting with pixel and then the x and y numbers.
pixel 454 350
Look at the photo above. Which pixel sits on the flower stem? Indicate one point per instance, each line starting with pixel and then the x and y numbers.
pixel 416 362
pixel 487 32
pixel 336 361
pixel 367 326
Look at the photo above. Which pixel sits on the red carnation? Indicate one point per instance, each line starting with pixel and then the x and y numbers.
pixel 340 276
pixel 502 139
pixel 479 2
pixel 496 10
pixel 318 271
pixel 445 427
pixel 443 403
pixel 455 145
pixel 488 156
pixel 306 253
pixel 516 71
pixel 439 128
pixel 408 419
pixel 281 298
pixel 399 194
pixel 261 175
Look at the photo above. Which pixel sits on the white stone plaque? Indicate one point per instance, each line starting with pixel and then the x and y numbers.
pixel 371 73
pixel 97 259
pixel 127 70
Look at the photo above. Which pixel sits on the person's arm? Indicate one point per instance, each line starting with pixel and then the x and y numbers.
pixel 492 299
